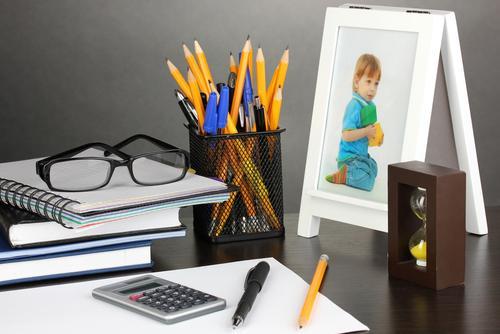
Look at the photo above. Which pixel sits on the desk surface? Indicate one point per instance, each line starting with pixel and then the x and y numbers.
pixel 358 281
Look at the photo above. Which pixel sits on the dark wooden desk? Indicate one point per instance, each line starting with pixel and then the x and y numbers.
pixel 358 280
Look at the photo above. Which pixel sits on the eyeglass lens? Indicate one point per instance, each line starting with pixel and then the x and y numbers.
pixel 80 174
pixel 159 167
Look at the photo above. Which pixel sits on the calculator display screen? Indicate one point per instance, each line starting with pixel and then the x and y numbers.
pixel 140 288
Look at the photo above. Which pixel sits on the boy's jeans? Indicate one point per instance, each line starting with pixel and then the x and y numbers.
pixel 361 172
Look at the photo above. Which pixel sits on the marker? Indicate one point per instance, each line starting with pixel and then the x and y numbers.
pixel 210 125
pixel 223 109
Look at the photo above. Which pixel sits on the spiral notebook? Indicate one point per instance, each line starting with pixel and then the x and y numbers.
pixel 20 186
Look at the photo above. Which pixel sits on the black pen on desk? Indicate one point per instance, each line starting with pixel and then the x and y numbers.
pixel 187 109
pixel 253 285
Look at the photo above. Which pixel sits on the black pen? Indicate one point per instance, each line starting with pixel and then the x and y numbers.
pixel 253 284
pixel 260 120
pixel 187 109
pixel 204 100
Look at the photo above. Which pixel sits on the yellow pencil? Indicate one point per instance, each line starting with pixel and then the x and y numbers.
pixel 271 89
pixel 260 65
pixel 213 89
pixel 232 64
pixel 202 61
pixel 250 60
pixel 197 102
pixel 240 80
pixel 202 84
pixel 274 118
pixel 313 290
pixel 280 80
pixel 177 75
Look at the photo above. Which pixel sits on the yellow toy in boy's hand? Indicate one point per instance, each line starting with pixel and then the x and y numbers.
pixel 379 136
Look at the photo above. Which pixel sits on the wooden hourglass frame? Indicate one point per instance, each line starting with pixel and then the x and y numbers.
pixel 445 191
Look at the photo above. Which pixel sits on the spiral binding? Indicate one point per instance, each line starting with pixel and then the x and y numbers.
pixel 38 201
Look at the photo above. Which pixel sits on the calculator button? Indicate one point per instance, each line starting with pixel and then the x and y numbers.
pixel 198 301
pixel 168 291
pixel 171 309
pixel 170 299
pixel 161 289
pixel 148 293
pixel 211 299
pixel 185 305
pixel 154 295
pixel 136 296
pixel 142 299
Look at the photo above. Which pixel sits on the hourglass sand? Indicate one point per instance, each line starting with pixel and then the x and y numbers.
pixel 418 241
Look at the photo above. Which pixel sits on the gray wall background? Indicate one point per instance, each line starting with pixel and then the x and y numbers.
pixel 73 71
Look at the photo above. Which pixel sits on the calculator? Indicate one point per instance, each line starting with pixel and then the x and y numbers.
pixel 159 299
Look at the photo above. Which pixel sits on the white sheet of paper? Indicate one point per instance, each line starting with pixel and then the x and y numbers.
pixel 70 308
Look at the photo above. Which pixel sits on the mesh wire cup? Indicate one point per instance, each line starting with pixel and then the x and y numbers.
pixel 251 161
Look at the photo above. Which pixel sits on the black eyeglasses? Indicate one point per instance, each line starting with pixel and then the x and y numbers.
pixel 65 172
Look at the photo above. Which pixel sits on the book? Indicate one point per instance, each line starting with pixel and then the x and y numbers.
pixel 20 186
pixel 122 256
pixel 24 229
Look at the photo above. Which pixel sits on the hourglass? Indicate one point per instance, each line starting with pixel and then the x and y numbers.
pixel 426 224
pixel 418 241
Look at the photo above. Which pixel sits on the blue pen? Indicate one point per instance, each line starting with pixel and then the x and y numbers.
pixel 223 108
pixel 210 125
pixel 248 100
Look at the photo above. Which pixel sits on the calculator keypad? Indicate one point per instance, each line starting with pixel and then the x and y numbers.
pixel 172 298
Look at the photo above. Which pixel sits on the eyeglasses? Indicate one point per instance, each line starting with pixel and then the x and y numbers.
pixel 65 172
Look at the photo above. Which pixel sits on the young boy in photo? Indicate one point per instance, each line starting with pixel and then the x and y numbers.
pixel 359 129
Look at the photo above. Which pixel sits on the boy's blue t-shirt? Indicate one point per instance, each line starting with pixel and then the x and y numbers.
pixel 352 121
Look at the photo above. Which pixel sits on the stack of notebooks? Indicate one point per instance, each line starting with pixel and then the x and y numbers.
pixel 46 234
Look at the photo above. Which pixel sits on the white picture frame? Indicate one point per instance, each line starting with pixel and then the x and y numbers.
pixel 316 202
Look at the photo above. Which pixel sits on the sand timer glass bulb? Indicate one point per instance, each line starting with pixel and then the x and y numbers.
pixel 418 241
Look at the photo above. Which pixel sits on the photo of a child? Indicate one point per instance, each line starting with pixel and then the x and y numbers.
pixel 360 130
pixel 370 91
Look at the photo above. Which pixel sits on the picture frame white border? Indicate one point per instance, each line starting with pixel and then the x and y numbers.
pixel 316 204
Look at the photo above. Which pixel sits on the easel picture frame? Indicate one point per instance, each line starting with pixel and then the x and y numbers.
pixel 362 210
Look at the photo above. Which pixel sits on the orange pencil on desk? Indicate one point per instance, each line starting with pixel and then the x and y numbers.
pixel 193 65
pixel 313 290
pixel 240 81
pixel 177 75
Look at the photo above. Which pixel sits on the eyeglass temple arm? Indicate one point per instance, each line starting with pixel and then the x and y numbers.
pixel 136 137
pixel 74 151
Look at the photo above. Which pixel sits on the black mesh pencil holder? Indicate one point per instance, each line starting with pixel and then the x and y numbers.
pixel 252 162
